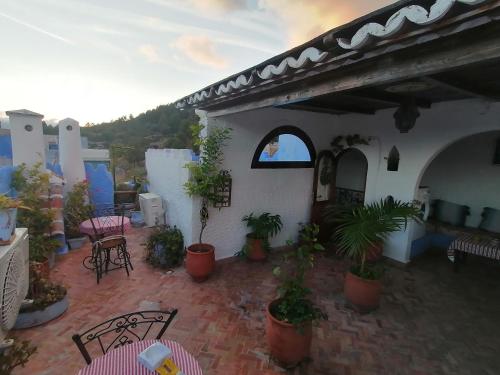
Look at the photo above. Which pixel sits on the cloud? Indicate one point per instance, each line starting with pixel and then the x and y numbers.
pixel 150 52
pixel 201 50
pixel 220 5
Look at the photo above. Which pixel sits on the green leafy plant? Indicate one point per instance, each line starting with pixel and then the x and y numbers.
pixel 32 185
pixel 43 292
pixel 361 227
pixel 293 305
pixel 7 202
pixel 14 356
pixel 350 140
pixel 165 247
pixel 76 209
pixel 262 227
pixel 206 175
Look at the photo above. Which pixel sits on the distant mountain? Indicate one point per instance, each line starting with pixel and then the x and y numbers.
pixel 164 126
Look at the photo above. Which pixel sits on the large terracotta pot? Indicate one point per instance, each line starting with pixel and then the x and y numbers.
pixel 255 249
pixel 287 344
pixel 362 294
pixel 200 261
pixel 374 252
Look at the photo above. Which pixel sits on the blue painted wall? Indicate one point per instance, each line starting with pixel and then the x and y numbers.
pixel 100 181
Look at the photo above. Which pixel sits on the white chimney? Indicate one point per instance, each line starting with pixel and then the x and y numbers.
pixel 70 152
pixel 28 145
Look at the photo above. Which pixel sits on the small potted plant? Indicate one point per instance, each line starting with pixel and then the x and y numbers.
pixel 360 229
pixel 76 210
pixel 206 179
pixel 8 215
pixel 289 318
pixel 16 354
pixel 262 227
pixel 165 247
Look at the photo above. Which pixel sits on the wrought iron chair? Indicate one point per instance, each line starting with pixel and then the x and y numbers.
pixel 109 234
pixel 123 330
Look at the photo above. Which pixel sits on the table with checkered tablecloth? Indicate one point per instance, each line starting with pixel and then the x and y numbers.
pixel 123 360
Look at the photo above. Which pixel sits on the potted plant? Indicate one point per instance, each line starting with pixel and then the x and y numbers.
pixel 32 186
pixel 289 318
pixel 206 180
pixel 165 247
pixel 360 229
pixel 262 227
pixel 14 355
pixel 47 301
pixel 8 215
pixel 76 210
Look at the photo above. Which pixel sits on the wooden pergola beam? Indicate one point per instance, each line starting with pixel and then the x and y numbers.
pixel 459 88
pixel 327 108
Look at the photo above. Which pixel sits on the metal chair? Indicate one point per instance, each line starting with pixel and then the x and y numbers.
pixel 108 227
pixel 123 330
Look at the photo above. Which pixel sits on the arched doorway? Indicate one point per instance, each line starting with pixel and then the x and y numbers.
pixel 350 177
pixel 462 182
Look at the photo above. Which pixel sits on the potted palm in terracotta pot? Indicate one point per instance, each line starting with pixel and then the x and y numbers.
pixel 206 181
pixel 289 318
pixel 360 229
pixel 262 227
pixel 76 210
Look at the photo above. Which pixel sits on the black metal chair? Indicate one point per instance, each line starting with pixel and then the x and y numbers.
pixel 109 234
pixel 123 330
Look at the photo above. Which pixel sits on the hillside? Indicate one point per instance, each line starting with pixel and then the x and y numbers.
pixel 164 126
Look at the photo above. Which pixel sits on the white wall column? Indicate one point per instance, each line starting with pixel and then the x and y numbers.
pixel 26 131
pixel 70 152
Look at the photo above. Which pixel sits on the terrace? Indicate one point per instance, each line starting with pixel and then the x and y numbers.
pixel 431 320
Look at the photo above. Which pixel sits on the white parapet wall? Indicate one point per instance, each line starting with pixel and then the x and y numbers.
pixel 70 152
pixel 166 176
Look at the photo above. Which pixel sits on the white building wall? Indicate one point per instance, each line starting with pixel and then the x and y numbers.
pixel 70 152
pixel 28 145
pixel 471 178
pixel 288 191
pixel 166 176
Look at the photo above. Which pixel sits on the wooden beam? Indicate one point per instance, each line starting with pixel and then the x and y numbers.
pixel 327 108
pixel 478 48
pixel 459 88
pixel 387 98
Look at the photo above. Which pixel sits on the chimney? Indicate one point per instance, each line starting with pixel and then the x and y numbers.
pixel 26 132
pixel 70 152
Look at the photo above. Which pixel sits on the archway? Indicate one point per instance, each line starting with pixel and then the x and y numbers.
pixel 462 180
pixel 350 177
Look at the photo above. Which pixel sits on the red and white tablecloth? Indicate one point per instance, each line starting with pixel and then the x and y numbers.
pixel 107 224
pixel 123 360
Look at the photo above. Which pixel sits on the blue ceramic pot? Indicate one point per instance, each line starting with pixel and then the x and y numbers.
pixel 7 224
pixel 137 219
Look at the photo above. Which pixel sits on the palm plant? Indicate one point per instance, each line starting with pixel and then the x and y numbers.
pixel 361 227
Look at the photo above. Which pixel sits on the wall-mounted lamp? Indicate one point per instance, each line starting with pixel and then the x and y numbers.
pixel 406 115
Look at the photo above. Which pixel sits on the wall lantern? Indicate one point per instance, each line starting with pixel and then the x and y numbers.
pixel 406 116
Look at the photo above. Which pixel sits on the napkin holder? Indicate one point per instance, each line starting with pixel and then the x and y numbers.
pixel 158 358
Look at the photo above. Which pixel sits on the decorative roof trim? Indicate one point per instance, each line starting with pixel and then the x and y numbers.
pixel 412 13
pixel 365 35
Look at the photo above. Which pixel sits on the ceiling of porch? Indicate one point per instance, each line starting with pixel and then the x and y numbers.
pixel 480 81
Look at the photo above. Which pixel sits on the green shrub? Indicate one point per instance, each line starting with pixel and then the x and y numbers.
pixel 165 247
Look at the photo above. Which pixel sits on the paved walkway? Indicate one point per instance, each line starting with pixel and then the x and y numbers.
pixel 431 321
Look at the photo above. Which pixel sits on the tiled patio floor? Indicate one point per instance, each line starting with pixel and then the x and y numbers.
pixel 431 320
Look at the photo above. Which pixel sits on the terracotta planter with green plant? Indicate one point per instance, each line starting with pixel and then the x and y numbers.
pixel 262 227
pixel 8 216
pixel 32 186
pixel 359 230
pixel 206 180
pixel 289 318
pixel 76 210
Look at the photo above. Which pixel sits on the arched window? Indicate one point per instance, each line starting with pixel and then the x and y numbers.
pixel 285 147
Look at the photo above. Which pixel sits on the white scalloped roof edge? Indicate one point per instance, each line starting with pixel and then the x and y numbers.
pixel 412 13
pixel 309 55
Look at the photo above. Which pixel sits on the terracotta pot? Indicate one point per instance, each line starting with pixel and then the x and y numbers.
pixel 362 294
pixel 200 261
pixel 287 345
pixel 374 252
pixel 255 249
pixel 42 268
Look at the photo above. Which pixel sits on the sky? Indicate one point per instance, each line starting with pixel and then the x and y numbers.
pixel 97 60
